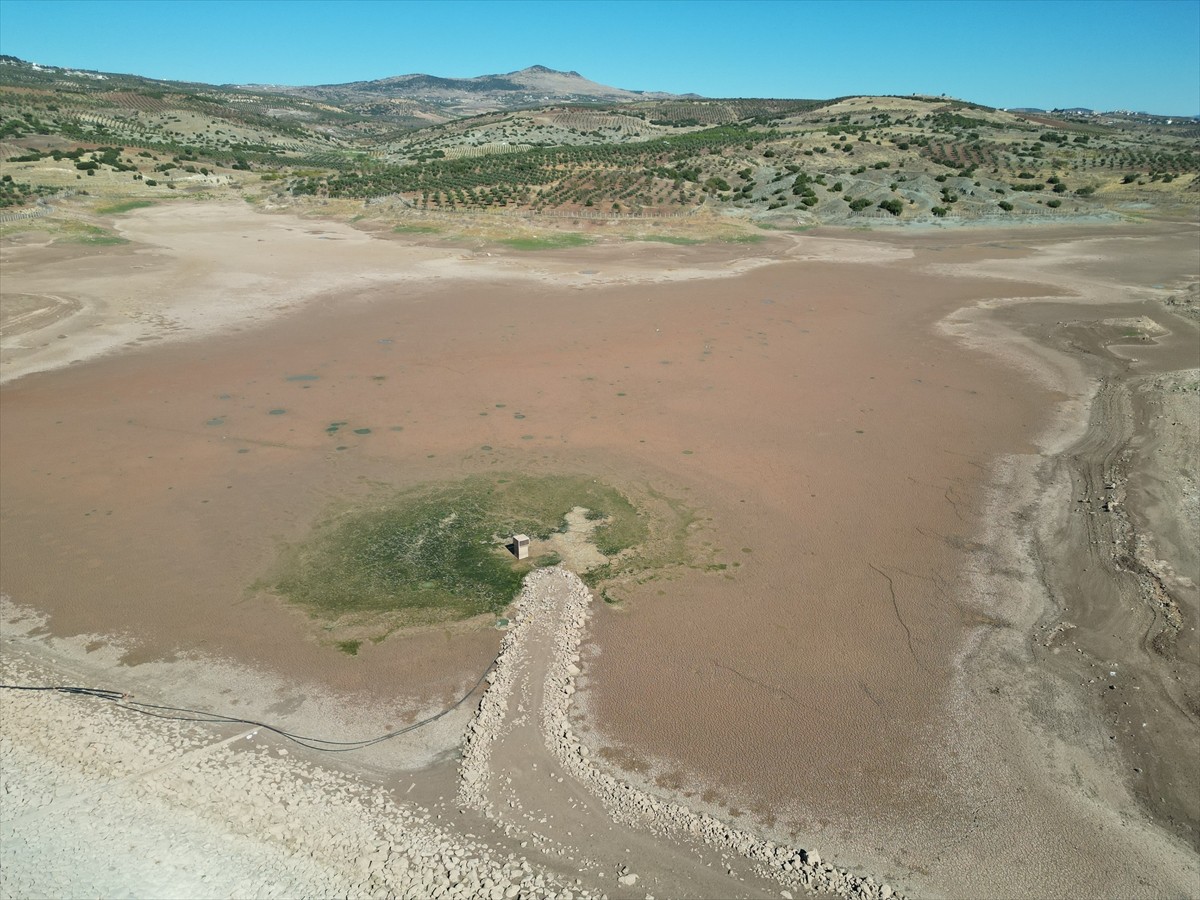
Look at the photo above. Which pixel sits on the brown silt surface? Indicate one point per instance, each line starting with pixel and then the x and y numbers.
pixel 829 447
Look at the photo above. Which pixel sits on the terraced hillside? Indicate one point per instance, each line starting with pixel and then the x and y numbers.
pixel 795 162
pixel 782 163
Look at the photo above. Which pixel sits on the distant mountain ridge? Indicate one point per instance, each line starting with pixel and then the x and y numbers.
pixel 539 140
pixel 442 97
pixel 523 79
pixel 534 85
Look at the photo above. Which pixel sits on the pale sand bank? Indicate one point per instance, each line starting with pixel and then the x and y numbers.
pixel 101 802
pixel 201 269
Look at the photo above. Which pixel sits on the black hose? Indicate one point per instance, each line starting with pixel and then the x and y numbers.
pixel 182 714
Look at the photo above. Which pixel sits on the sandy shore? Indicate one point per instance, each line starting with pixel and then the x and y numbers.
pixel 223 267
pixel 885 666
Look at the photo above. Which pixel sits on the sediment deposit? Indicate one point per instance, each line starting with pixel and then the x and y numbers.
pixel 873 648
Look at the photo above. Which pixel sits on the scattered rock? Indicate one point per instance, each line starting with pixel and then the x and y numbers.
pixel 555 594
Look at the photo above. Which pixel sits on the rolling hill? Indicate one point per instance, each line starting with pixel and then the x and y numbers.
pixel 453 97
pixel 539 141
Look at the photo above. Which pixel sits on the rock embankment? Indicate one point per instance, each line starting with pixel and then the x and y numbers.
pixel 99 801
pixel 559 596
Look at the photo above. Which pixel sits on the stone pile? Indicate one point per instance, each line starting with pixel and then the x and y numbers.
pixel 558 595
pixel 99 801
pixel 489 721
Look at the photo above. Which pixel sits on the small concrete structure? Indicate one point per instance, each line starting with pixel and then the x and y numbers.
pixel 520 546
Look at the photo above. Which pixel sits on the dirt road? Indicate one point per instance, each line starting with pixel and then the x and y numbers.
pixel 523 765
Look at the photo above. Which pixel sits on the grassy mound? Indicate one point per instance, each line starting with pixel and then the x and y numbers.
pixel 546 242
pixel 124 207
pixel 415 229
pixel 437 554
pixel 82 233
pixel 667 239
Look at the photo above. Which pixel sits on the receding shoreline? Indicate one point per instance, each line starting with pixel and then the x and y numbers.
pixel 1035 674
pixel 1095 495
pixel 1003 640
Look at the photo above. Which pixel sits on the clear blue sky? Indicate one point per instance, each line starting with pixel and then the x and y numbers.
pixel 1105 54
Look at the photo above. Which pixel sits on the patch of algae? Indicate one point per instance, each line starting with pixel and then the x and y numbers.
pixel 438 554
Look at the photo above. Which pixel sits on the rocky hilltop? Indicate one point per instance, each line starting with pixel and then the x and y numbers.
pixel 532 86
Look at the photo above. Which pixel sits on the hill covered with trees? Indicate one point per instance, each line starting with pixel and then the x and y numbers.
pixel 553 143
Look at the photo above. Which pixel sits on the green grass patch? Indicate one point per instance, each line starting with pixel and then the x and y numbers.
pixel 795 229
pixel 671 523
pixel 668 239
pixel 438 553
pixel 743 239
pixel 350 648
pixel 80 233
pixel 547 242
pixel 415 229
pixel 124 207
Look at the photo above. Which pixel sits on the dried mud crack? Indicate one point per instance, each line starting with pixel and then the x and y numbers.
pixel 524 768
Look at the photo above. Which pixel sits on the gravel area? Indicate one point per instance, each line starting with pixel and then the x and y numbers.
pixel 98 801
